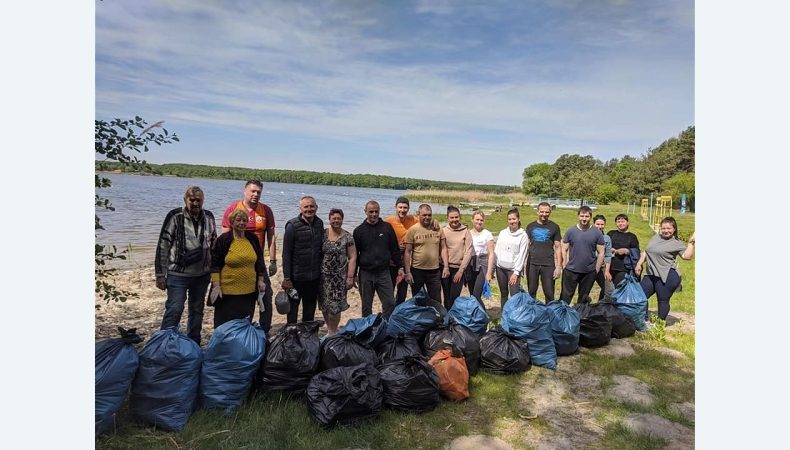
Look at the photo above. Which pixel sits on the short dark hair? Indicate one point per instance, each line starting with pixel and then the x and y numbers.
pixel 621 216
pixel 425 206
pixel 336 211
pixel 258 183
pixel 671 220
pixel 372 202
pixel 599 217
pixel 584 208
pixel 452 208
pixel 402 200
pixel 544 204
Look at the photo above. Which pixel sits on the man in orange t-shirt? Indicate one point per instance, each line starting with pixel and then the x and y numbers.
pixel 401 221
pixel 261 222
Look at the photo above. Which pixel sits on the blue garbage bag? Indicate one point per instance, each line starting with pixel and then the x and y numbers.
pixel 486 290
pixel 527 318
pixel 116 364
pixel 630 299
pixel 565 322
pixel 230 362
pixel 165 388
pixel 469 312
pixel 370 330
pixel 416 315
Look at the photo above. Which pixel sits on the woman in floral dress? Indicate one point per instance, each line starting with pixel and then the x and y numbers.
pixel 337 270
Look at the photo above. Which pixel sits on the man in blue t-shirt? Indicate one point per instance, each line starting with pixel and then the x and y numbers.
pixel 544 259
pixel 580 263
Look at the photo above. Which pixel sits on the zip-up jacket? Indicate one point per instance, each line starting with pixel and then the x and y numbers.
pixel 302 249
pixel 181 233
pixel 376 245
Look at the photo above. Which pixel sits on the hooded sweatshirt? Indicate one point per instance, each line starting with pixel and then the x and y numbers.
pixel 511 249
pixel 459 246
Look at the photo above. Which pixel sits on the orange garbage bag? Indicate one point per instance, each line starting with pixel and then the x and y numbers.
pixel 453 375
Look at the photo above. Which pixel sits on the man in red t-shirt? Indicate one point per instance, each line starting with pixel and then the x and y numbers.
pixel 261 222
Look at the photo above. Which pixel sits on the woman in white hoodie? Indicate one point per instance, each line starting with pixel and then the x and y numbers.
pixel 510 253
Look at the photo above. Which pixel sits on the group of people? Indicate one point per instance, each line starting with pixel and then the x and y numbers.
pixel 384 257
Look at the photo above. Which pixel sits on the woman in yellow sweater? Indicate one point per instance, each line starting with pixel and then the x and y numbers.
pixel 238 272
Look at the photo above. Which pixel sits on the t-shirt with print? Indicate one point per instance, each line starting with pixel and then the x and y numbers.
pixel 541 242
pixel 661 254
pixel 581 254
pixel 426 245
pixel 260 219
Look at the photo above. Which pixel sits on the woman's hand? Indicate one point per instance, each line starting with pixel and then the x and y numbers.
pixel 512 280
pixel 607 275
pixel 693 238
pixel 638 270
pixel 215 294
pixel 489 277
pixel 349 282
pixel 261 285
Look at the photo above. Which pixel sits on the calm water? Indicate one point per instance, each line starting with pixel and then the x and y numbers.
pixel 142 202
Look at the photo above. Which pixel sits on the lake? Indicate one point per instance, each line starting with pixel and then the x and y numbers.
pixel 142 202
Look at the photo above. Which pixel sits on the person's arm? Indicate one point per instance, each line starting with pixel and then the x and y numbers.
pixel 407 263
pixel 351 254
pixel 395 253
pixel 600 248
pixel 557 259
pixel 490 268
pixel 689 252
pixel 162 259
pixel 445 257
pixel 467 257
pixel 642 257
pixel 288 243
pixel 566 246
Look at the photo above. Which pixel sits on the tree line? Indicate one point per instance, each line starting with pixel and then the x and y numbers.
pixel 665 170
pixel 300 176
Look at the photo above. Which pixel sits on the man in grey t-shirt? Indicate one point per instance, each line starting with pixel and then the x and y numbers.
pixel 580 263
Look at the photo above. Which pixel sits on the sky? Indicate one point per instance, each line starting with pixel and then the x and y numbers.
pixel 446 90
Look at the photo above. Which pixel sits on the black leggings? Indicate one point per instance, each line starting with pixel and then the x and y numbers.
pixel 652 284
pixel 231 307
pixel 505 290
pixel 450 289
pixel 544 274
pixel 308 297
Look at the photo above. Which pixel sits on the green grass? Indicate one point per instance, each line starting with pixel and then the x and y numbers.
pixel 498 404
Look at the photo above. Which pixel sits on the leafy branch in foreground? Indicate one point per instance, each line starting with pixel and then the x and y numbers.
pixel 118 140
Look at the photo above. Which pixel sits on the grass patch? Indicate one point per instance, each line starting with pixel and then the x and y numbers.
pixel 618 436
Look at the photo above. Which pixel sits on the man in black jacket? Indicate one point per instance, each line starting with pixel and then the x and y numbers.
pixel 376 245
pixel 302 259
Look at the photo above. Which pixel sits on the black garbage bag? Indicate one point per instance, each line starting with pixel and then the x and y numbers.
pixel 165 388
pixel 292 358
pixel 397 347
pixel 345 350
pixel 345 395
pixel 595 330
pixel 457 338
pixel 410 384
pixel 116 364
pixel 622 327
pixel 371 330
pixel 503 353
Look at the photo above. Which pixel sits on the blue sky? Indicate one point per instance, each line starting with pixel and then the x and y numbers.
pixel 448 90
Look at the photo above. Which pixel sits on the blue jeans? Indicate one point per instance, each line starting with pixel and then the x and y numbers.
pixel 177 289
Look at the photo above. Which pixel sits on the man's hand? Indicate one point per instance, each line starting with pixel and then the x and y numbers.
pixel 435 225
pixel 607 275
pixel 286 284
pixel 445 272
pixel 557 272
pixel 409 279
pixel 161 282
pixel 272 268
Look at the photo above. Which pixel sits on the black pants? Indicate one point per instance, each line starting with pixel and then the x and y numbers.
pixel 376 281
pixel 308 297
pixel 606 286
pixel 505 290
pixel 652 284
pixel 231 307
pixel 544 275
pixel 432 281
pixel 399 291
pixel 450 289
pixel 572 280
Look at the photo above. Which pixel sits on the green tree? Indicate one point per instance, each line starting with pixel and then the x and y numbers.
pixel 682 183
pixel 537 179
pixel 606 193
pixel 116 140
